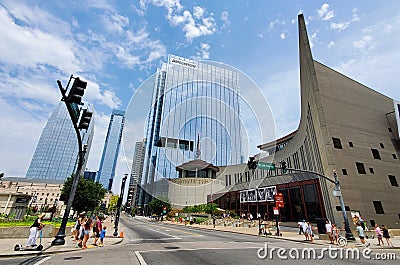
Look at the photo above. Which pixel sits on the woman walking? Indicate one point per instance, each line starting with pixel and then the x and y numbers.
pixel 386 235
pixel 378 233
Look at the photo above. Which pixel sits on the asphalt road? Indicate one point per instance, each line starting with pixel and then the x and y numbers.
pixel 157 243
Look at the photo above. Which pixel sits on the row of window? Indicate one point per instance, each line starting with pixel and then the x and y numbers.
pixel 375 152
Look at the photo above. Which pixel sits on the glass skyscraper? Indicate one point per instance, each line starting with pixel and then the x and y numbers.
pixel 56 155
pixel 109 157
pixel 195 114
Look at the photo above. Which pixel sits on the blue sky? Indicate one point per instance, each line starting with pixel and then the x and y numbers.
pixel 116 45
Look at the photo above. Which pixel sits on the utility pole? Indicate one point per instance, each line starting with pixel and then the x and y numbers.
pixel 119 203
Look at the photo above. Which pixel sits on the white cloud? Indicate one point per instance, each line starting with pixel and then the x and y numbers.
pixel 198 12
pixel 324 13
pixel 261 36
pixel 331 44
pixel 272 24
pixel 115 23
pixel 364 43
pixel 225 18
pixel 340 25
pixel 204 52
pixel 283 35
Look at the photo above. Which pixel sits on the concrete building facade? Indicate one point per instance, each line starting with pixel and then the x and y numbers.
pixel 345 127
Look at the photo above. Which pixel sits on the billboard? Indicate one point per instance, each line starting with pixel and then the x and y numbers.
pixel 265 194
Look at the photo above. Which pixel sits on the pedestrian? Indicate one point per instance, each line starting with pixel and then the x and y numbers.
pixel 328 228
pixel 379 234
pixel 300 225
pixel 86 225
pixel 360 231
pixel 35 227
pixel 310 232
pixel 385 233
pixel 362 222
pixel 305 230
pixel 335 233
pixel 102 236
pixel 78 226
pixel 213 221
pixel 97 228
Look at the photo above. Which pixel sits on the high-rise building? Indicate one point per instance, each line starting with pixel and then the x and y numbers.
pixel 109 157
pixel 136 173
pixel 195 114
pixel 56 155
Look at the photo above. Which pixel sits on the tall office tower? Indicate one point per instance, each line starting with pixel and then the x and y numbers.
pixel 195 114
pixel 56 155
pixel 109 157
pixel 137 168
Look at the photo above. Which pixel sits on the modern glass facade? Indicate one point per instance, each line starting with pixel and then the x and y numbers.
pixel 195 114
pixel 109 157
pixel 56 155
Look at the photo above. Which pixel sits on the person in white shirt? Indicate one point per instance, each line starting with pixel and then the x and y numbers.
pixel 328 228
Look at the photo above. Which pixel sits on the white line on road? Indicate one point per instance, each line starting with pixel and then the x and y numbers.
pixel 161 232
pixel 140 258
pixel 192 249
pixel 43 260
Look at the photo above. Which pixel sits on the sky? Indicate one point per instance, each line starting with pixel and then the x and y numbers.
pixel 117 45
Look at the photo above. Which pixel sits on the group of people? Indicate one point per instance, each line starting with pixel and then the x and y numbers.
pixel 332 231
pixel 84 224
pixel 307 229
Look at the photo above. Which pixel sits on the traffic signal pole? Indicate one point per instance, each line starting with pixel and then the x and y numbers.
pixel 60 237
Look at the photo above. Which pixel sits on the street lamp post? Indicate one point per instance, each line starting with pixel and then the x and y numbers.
pixel 349 234
pixel 119 203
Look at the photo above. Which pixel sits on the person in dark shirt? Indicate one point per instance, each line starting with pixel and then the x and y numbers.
pixel 35 227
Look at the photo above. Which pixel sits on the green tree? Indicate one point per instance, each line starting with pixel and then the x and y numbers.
pixel 157 204
pixel 88 194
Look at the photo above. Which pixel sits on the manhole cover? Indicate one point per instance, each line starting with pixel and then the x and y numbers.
pixel 171 247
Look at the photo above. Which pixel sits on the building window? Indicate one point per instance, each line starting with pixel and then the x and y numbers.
pixel 371 170
pixel 381 144
pixel 393 181
pixel 351 144
pixel 375 153
pixel 336 143
pixel 339 208
pixel 390 129
pixel 394 156
pixel 344 171
pixel 378 207
pixel 360 168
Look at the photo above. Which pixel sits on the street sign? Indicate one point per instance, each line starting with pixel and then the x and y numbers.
pixel 337 193
pixel 276 211
pixel 279 200
pixel 268 166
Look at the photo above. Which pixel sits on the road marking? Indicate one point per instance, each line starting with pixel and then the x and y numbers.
pixel 140 258
pixel 43 260
pixel 182 231
pixel 158 231
pixel 148 239
pixel 206 248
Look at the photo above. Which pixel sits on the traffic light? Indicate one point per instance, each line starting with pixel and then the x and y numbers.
pixel 85 119
pixel 252 163
pixel 283 166
pixel 76 92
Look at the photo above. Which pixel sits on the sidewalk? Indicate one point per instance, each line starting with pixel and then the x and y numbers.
pixel 7 245
pixel 292 234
